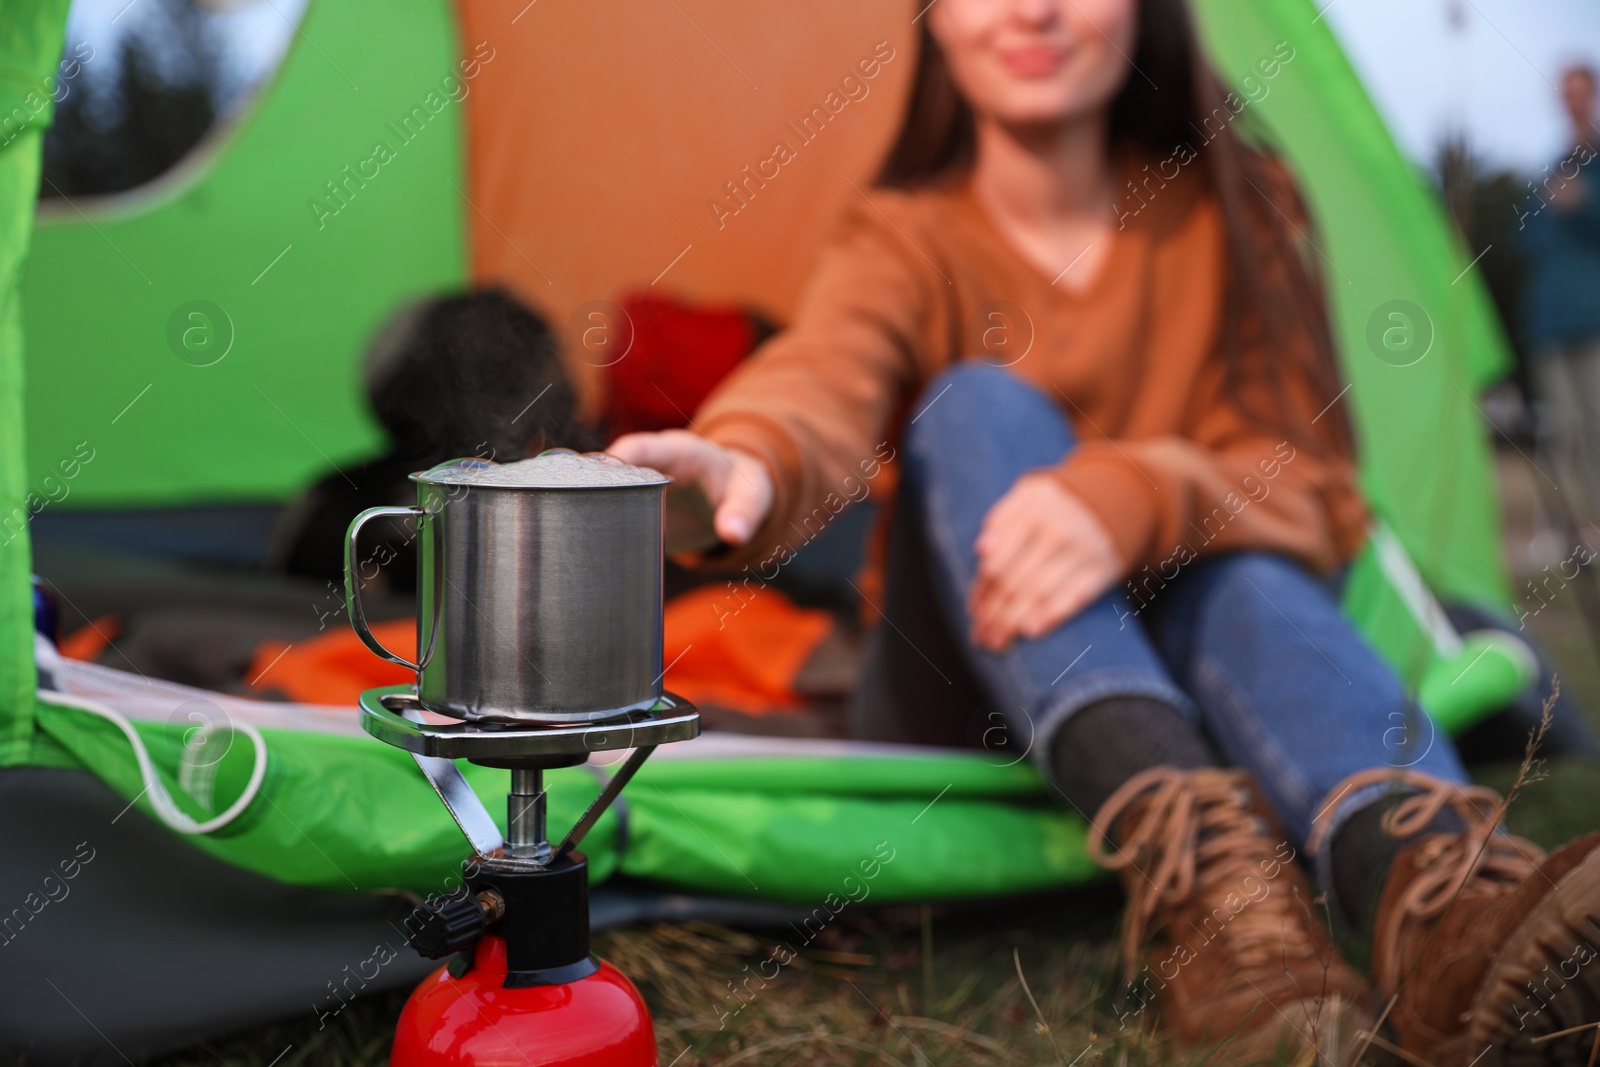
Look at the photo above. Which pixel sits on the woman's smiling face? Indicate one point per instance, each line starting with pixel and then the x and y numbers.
pixel 1036 62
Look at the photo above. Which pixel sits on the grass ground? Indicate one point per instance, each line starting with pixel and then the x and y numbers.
pixel 914 985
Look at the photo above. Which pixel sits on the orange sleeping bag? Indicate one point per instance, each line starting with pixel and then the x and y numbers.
pixel 746 661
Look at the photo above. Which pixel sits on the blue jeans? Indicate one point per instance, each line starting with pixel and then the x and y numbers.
pixel 1249 646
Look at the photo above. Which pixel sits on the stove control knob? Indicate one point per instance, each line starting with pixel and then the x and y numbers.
pixel 445 925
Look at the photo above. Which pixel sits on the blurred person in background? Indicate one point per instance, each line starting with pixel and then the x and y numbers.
pixel 1125 541
pixel 1560 229
pixel 448 376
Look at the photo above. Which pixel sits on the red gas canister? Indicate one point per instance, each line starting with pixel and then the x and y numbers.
pixel 475 1021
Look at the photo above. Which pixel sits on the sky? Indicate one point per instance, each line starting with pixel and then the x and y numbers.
pixel 1486 67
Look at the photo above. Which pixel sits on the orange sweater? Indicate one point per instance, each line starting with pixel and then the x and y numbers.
pixel 1167 458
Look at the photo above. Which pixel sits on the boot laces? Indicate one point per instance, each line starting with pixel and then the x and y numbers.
pixel 1475 863
pixel 1194 838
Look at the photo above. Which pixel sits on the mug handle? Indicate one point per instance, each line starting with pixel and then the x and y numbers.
pixel 352 589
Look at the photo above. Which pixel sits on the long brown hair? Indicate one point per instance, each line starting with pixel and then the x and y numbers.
pixel 1274 294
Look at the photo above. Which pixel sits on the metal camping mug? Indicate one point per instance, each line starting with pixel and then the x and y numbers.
pixel 536 603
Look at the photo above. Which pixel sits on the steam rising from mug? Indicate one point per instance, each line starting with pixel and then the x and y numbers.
pixel 559 468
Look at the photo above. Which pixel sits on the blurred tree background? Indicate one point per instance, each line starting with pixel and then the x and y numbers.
pixel 1486 203
pixel 149 97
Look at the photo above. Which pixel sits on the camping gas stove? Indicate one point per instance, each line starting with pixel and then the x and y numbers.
pixel 538 644
pixel 521 987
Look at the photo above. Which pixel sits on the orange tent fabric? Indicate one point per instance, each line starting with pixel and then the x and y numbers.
pixel 597 169
pixel 721 651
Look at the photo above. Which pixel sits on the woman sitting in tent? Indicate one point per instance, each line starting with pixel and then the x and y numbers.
pixel 1124 535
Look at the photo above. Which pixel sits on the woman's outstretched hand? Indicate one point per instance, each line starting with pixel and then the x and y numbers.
pixel 1043 556
pixel 719 493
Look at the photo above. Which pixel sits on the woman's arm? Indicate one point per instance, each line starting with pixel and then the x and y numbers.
pixel 814 406
pixel 1142 509
pixel 1236 477
pixel 1230 483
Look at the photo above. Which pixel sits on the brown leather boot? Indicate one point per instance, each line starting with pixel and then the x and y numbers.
pixel 1485 943
pixel 1236 954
